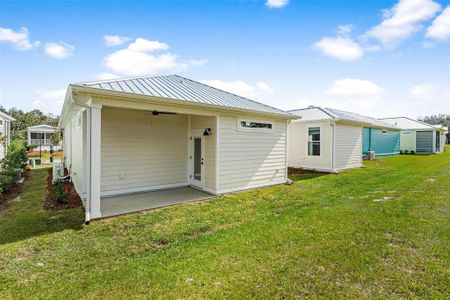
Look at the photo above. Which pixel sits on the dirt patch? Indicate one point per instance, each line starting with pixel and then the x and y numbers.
pixel 72 199
pixel 385 198
pixel 299 171
pixel 14 192
pixel 430 180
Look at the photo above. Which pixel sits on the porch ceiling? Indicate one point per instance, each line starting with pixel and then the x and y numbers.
pixel 123 204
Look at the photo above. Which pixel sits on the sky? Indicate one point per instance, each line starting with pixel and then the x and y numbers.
pixel 377 58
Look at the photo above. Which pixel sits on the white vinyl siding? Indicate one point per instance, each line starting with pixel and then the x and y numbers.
pixel 348 146
pixel 3 131
pixel 408 140
pixel 141 151
pixel 248 159
pixel 201 123
pixel 298 146
pixel 76 153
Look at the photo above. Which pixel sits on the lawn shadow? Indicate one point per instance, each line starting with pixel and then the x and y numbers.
pixel 308 176
pixel 25 217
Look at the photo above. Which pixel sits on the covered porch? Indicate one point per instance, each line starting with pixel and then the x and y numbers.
pixel 147 158
pixel 128 203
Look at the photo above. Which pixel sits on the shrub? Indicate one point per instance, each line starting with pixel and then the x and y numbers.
pixel 6 183
pixel 16 157
pixel 15 174
pixel 59 192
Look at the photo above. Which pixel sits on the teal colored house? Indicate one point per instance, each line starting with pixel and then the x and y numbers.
pixel 383 142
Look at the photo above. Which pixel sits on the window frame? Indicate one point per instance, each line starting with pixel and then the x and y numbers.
pixel 320 140
pixel 250 129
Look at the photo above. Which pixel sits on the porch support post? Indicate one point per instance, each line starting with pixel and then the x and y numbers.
pixel 29 136
pixel 94 123
pixel 434 141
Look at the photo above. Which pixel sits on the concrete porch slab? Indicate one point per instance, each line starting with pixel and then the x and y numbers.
pixel 123 204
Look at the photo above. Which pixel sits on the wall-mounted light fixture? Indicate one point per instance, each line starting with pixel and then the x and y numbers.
pixel 207 132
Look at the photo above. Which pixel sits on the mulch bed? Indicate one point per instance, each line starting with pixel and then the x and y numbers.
pixel 15 191
pixel 298 171
pixel 72 200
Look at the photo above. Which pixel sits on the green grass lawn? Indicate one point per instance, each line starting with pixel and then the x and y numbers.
pixel 376 232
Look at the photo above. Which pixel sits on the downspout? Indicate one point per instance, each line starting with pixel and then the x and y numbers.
pixel 333 148
pixel 87 216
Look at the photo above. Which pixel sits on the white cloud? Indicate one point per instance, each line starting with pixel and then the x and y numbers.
pixel 440 28
pixel 137 59
pixel 50 101
pixel 303 103
pixel 240 87
pixel 59 50
pixel 105 76
pixel 351 87
pixel 115 40
pixel 403 20
pixel 143 45
pixel 19 39
pixel 341 47
pixel 134 63
pixel 276 3
pixel 264 86
pixel 423 91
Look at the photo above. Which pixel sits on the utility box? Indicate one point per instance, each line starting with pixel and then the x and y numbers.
pixel 58 172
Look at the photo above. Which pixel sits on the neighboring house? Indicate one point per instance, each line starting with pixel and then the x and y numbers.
pixel 151 133
pixel 5 133
pixel 418 137
pixel 330 140
pixel 41 136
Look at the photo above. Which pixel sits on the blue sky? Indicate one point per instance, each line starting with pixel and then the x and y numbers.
pixel 379 58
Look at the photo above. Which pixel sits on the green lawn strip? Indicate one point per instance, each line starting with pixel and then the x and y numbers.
pixel 323 236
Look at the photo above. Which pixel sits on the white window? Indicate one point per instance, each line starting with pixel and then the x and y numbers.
pixel 254 125
pixel 314 141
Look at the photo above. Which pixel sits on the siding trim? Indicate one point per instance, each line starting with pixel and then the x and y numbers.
pixel 217 167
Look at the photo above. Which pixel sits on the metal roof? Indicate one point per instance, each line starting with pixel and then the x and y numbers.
pixel 406 123
pixel 43 127
pixel 311 113
pixel 181 88
pixel 6 117
pixel 315 113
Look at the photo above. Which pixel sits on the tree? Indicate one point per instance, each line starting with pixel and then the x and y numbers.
pixel 440 119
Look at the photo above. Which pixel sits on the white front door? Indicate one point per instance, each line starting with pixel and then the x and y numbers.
pixel 196 158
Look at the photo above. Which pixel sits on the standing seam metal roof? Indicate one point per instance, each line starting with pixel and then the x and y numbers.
pixel 181 88
pixel 324 113
pixel 406 123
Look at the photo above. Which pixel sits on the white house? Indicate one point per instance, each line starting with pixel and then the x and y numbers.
pixel 40 135
pixel 417 136
pixel 5 133
pixel 330 140
pixel 163 133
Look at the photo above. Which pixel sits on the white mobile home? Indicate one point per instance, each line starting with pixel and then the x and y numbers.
pixel 330 140
pixel 418 137
pixel 5 133
pixel 166 132
pixel 41 136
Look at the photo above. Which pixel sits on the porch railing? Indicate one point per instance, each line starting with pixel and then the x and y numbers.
pixel 43 142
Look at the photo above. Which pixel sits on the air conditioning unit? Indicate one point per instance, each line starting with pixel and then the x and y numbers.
pixel 58 172
pixel 370 155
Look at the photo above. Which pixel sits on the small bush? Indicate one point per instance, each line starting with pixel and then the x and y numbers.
pixel 15 174
pixel 59 192
pixel 16 157
pixel 6 183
